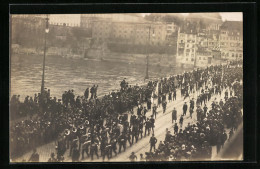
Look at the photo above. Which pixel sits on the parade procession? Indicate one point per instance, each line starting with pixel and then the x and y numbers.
pixel 193 114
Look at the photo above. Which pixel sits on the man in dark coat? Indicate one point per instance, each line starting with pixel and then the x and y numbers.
pixel 154 110
pixel 174 94
pixel 185 108
pixel 147 127
pixel 174 115
pixel 181 121
pixel 164 104
pixel 152 142
pixel 86 94
pixel 176 128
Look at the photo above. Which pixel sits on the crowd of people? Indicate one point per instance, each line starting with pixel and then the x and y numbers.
pixel 88 126
pixel 50 116
pixel 195 141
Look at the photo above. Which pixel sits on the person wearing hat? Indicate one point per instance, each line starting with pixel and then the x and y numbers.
pixel 184 108
pixel 221 103
pixel 191 112
pixel 152 142
pixel 147 127
pixel 149 103
pixel 152 120
pixel 86 93
pixel 132 157
pixel 174 115
pixel 142 157
pixel 192 103
pixel 176 128
pixel 205 109
pixel 140 129
pixel 199 113
pixel 139 110
pixel 154 110
pixel 181 121
pixel 145 111
pixel 174 94
pixel 164 104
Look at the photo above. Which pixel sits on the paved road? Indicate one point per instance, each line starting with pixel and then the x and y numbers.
pixel 163 121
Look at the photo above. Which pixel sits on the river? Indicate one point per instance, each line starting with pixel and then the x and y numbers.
pixel 62 74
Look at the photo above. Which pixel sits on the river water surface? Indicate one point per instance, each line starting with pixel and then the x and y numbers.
pixel 62 74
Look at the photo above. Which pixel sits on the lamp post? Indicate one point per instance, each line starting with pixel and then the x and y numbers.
pixel 44 54
pixel 147 57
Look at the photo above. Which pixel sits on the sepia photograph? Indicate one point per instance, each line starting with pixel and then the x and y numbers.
pixel 126 87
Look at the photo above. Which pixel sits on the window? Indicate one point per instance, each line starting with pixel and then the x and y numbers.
pixel 192 59
pixel 199 58
pixel 240 55
pixel 232 54
pixel 186 59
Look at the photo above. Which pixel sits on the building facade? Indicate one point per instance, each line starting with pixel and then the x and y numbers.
pixel 199 48
pixel 231 40
pixel 129 32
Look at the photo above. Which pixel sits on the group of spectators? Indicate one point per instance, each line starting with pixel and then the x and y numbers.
pixel 86 124
pixel 53 116
pixel 195 141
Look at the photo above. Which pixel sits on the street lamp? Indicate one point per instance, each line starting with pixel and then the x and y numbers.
pixel 147 58
pixel 44 54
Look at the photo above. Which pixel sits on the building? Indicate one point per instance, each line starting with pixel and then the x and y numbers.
pixel 186 44
pixel 72 20
pixel 101 29
pixel 231 40
pixel 138 33
pixel 199 46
